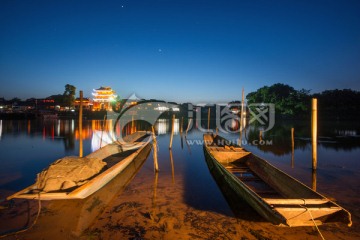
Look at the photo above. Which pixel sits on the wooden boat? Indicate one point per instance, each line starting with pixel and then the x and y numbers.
pixel 74 216
pixel 275 195
pixel 117 157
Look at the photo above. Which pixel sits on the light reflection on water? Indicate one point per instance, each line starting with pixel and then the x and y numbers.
pixel 29 146
pixel 163 126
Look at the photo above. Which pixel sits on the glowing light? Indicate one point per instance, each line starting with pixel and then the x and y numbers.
pixel 58 128
pixel 103 97
pixel 72 125
pixel 176 126
pixel 162 126
pixel 161 108
pixel 101 138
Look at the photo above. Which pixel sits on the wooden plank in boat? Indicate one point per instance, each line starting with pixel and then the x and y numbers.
pixel 295 201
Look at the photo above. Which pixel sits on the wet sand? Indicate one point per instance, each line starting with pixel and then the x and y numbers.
pixel 153 207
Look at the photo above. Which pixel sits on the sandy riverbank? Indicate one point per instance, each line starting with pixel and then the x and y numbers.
pixel 153 207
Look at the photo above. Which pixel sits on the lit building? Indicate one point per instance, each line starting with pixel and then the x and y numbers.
pixel 85 102
pixel 103 97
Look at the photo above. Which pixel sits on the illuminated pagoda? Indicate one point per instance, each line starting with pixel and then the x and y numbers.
pixel 103 97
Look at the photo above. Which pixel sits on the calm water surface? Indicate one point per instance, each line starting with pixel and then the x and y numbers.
pixel 27 147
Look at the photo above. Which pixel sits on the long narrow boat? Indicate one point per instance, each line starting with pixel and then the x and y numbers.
pixel 116 156
pixel 275 195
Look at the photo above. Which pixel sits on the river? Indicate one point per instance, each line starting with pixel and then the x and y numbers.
pixel 184 184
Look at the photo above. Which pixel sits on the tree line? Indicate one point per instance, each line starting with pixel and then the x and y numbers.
pixel 66 99
pixel 292 103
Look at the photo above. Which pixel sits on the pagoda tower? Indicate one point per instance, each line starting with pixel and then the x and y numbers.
pixel 103 97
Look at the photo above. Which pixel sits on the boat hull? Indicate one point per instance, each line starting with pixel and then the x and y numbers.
pixel 98 181
pixel 294 204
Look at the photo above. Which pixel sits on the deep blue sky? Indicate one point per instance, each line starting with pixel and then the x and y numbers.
pixel 184 50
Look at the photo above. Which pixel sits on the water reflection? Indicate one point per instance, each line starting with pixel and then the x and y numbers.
pixel 63 130
pixel 163 126
pixel 176 126
pixel 192 173
pixel 278 140
pixel 313 180
pixel 172 166
pixel 335 135
pixel 101 138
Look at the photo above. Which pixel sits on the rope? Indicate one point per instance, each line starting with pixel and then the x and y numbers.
pixel 312 218
pixel 349 214
pixel 27 228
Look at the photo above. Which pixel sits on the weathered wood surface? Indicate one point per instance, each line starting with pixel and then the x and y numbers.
pixel 275 195
pixel 100 180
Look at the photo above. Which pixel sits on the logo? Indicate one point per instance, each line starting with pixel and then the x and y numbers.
pixel 262 113
pixel 228 117
pixel 135 109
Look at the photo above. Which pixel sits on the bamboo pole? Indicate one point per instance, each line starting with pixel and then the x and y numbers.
pixel 181 124
pixel 156 165
pixel 314 133
pixel 172 167
pixel 172 131
pixel 103 129
pixel 314 180
pixel 292 147
pixel 181 132
pixel 209 119
pixel 132 124
pixel 80 125
pixel 244 120
pixel 242 115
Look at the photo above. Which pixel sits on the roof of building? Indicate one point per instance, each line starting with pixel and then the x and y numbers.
pixel 104 88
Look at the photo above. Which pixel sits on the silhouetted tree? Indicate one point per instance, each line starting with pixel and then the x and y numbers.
pixel 15 100
pixel 287 100
pixel 339 104
pixel 69 95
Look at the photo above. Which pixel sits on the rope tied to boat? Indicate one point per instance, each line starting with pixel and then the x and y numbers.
pixel 31 226
pixel 312 218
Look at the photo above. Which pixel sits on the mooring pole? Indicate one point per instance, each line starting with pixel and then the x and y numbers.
pixel 181 124
pixel 156 165
pixel 209 119
pixel 103 129
pixel 313 180
pixel 80 125
pixel 242 115
pixel 314 133
pixel 292 147
pixel 132 125
pixel 172 131
pixel 172 166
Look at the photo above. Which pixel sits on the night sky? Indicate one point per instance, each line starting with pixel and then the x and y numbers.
pixel 177 50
